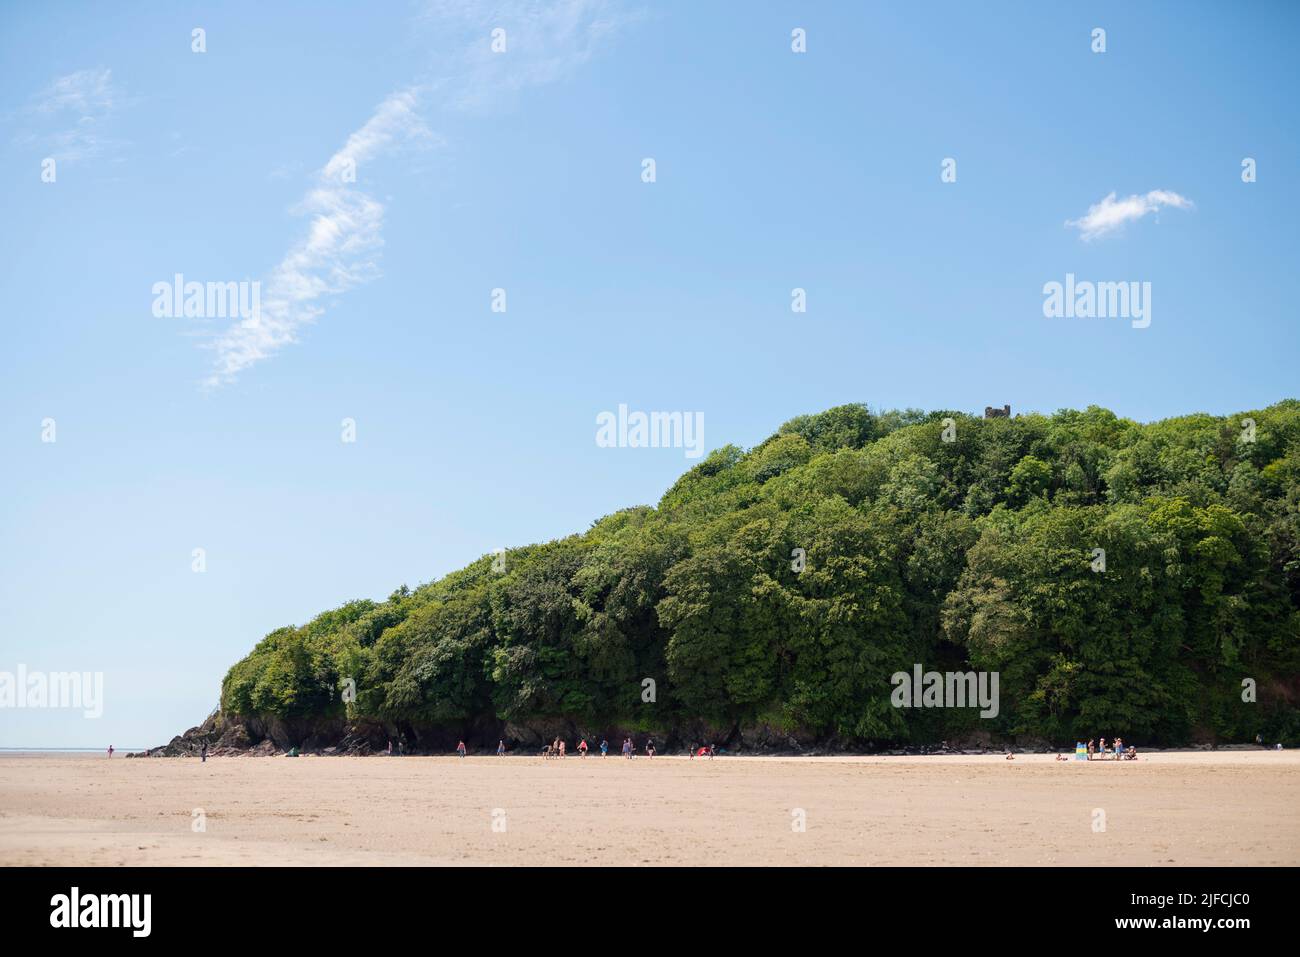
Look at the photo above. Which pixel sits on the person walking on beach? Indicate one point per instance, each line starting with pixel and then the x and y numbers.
pixel 1119 748
pixel 582 747
pixel 110 750
pixel 460 749
pixel 650 748
pixel 501 747
pixel 562 747
pixel 1091 748
pixel 203 754
pixel 604 747
pixel 627 748
pixel 1101 750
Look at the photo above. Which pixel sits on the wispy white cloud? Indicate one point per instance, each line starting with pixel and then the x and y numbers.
pixel 545 43
pixel 1112 214
pixel 340 250
pixel 395 119
pixel 67 119
pixel 342 245
pixel 88 92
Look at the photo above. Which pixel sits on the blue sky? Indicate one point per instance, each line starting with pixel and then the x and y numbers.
pixel 522 170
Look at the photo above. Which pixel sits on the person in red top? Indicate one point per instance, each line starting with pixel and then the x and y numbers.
pixel 582 747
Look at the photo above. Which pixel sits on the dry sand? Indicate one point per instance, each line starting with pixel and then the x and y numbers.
pixel 1224 808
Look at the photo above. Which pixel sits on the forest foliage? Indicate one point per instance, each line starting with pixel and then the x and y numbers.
pixel 979 553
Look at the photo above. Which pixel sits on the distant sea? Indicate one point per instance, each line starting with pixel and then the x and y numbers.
pixel 65 750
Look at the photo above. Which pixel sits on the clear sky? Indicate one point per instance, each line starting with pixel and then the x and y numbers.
pixel 523 170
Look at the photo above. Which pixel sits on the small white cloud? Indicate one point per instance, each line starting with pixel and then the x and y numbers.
pixel 1111 214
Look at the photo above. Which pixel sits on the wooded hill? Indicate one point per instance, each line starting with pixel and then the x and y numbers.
pixel 977 553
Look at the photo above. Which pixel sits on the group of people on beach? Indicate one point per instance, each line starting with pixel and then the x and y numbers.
pixel 559 748
pixel 1094 751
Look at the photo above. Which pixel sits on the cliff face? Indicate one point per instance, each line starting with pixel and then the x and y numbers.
pixel 240 735
pixel 233 736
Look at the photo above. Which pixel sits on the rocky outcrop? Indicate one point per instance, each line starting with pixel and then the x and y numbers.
pixel 220 736
pixel 264 735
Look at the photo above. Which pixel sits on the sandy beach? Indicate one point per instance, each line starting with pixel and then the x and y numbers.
pixel 1173 808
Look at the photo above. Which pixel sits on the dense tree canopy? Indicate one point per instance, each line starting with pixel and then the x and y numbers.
pixel 1121 578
